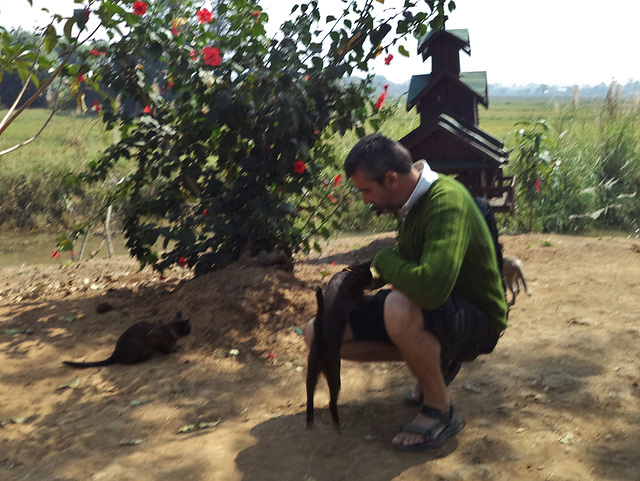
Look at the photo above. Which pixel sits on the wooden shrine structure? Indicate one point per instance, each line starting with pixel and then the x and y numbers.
pixel 448 137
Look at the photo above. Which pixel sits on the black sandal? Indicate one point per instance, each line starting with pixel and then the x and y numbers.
pixel 448 424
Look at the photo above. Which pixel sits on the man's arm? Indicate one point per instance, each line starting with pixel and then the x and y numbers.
pixel 429 281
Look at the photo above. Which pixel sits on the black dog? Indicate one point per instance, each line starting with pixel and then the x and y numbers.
pixel 345 290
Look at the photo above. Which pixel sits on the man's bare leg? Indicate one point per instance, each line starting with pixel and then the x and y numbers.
pixel 421 350
pixel 361 351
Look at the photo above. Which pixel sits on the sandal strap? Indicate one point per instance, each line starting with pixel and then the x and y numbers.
pixel 436 413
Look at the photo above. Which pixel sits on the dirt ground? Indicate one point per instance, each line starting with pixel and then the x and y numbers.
pixel 557 400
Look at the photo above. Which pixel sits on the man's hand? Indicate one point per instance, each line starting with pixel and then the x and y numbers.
pixel 376 282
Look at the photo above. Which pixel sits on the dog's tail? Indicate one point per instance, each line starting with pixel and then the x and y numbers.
pixel 524 283
pixel 318 325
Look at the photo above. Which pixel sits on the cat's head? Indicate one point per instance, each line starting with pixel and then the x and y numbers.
pixel 181 326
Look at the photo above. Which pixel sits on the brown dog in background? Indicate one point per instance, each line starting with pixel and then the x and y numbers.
pixel 513 276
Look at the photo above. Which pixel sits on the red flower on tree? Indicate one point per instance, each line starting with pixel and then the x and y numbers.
pixel 80 78
pixel 256 15
pixel 95 106
pixel 182 262
pixel 204 15
pixel 299 167
pixel 139 8
pixel 212 56
pixel 381 99
pixel 96 52
pixel 147 110
pixel 332 198
pixel 336 181
pixel 388 59
pixel 55 254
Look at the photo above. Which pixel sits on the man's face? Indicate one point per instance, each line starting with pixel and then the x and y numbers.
pixel 382 197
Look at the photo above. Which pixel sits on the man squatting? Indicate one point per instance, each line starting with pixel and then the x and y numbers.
pixel 448 304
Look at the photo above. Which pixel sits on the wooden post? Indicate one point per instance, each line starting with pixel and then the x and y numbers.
pixel 107 231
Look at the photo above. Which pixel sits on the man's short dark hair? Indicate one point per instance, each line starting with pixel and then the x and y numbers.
pixel 377 155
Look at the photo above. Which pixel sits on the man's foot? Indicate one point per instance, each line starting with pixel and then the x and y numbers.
pixel 428 430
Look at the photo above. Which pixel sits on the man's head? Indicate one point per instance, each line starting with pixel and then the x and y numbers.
pixel 381 169
pixel 377 155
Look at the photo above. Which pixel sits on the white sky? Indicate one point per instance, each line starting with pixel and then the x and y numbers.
pixel 561 42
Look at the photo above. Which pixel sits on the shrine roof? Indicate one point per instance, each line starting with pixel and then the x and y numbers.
pixel 420 85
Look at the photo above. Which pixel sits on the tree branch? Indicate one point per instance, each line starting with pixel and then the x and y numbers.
pixel 46 84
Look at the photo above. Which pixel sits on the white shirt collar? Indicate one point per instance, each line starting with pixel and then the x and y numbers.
pixel 427 177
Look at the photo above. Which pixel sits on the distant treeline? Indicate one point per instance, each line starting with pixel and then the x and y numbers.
pixel 629 90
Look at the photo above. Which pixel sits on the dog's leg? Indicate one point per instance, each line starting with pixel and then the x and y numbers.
pixel 313 372
pixel 333 380
pixel 524 284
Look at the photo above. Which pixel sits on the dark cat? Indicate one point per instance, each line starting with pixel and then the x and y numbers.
pixel 345 290
pixel 141 341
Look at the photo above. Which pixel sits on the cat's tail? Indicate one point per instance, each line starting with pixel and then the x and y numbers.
pixel 83 365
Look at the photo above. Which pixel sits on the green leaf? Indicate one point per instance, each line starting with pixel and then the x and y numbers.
pixel 187 428
pixel 403 51
pixel 68 26
pixel 80 17
pixel 69 385
pixel 205 425
pixel 131 442
pixel 12 332
pixel 19 420
pixel 50 39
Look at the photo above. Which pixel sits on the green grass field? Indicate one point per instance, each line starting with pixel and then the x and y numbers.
pixel 32 195
pixel 67 143
pixel 70 141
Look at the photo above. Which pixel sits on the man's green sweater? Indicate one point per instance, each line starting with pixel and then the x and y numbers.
pixel 444 247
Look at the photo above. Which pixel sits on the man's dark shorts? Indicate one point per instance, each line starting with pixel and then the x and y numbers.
pixel 462 328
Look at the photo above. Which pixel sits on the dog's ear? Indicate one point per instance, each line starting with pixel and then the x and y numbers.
pixel 363 271
pixel 360 266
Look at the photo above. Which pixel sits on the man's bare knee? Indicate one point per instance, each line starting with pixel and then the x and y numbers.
pixel 308 332
pixel 400 313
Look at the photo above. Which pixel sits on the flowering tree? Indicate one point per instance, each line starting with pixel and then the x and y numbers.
pixel 228 128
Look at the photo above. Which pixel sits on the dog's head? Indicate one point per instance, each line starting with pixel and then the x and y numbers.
pixel 363 271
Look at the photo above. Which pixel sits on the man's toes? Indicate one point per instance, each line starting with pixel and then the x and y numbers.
pixel 406 439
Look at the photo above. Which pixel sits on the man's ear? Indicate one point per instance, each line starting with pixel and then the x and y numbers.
pixel 391 179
